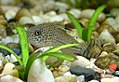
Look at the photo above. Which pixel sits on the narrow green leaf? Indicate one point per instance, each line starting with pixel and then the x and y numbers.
pixel 30 61
pixel 12 52
pixel 59 55
pixel 51 52
pixel 93 20
pixel 56 64
pixel 56 48
pixel 76 24
pixel 85 34
pixel 23 43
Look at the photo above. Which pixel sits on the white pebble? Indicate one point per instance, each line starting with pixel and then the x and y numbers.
pixel 71 78
pixel 15 38
pixel 51 13
pixel 62 6
pixel 111 21
pixel 116 26
pixel 36 19
pixel 10 14
pixel 8 70
pixel 115 79
pixel 81 61
pixel 13 58
pixel 25 20
pixel 67 73
pixel 80 78
pixel 7 40
pixel 106 36
pixel 56 18
pixel 10 78
pixel 39 72
pixel 76 13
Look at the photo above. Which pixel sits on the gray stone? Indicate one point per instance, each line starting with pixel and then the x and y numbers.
pixel 87 72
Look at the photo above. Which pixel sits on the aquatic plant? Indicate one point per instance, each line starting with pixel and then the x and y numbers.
pixel 27 61
pixel 85 34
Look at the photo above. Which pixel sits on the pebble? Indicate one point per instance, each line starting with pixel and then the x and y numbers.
pixel 49 5
pixel 39 72
pixel 116 27
pixel 10 39
pixel 13 58
pixel 76 13
pixel 3 32
pixel 8 70
pixel 7 40
pixel 111 21
pixel 56 18
pixel 25 20
pixel 65 17
pixel 115 79
pixel 36 19
pixel 114 12
pixel 2 20
pixel 51 13
pixel 104 53
pixel 45 18
pixel 62 7
pixel 87 13
pixel 10 14
pixel 15 38
pixel 80 61
pixel 87 72
pixel 23 12
pixel 107 37
pixel 117 19
pixel 81 78
pixel 6 8
pixel 61 70
pixel 10 78
pixel 71 78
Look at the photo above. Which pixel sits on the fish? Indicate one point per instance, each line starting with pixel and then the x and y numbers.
pixel 51 34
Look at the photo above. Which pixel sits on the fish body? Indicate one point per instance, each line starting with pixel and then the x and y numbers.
pixel 48 34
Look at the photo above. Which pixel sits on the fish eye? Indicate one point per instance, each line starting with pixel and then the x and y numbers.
pixel 37 32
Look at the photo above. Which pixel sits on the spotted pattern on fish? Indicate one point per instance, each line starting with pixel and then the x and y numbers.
pixel 50 34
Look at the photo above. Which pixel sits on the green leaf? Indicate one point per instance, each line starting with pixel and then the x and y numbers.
pixel 51 52
pixel 12 52
pixel 85 34
pixel 56 48
pixel 23 43
pixel 76 24
pixel 59 55
pixel 93 20
pixel 30 61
